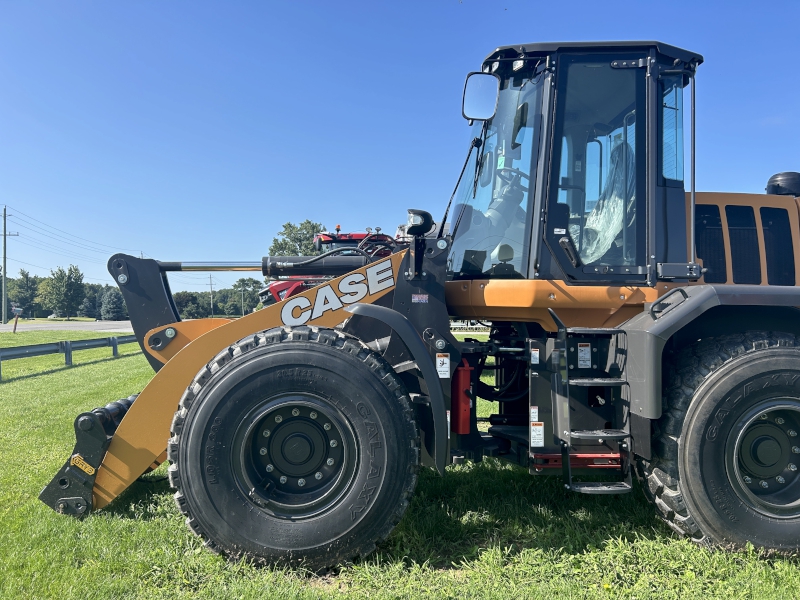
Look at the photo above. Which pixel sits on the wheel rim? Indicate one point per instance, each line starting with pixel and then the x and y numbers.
pixel 294 456
pixel 763 455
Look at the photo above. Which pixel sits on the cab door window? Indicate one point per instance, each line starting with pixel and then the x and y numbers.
pixel 597 191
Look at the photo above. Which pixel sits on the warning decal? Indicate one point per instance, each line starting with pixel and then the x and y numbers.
pixel 443 365
pixel 584 355
pixel 537 429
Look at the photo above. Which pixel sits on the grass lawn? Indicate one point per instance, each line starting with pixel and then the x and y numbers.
pixel 485 530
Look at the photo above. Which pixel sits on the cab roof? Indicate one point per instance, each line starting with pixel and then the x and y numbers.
pixel 545 48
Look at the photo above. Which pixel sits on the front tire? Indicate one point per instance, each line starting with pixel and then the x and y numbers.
pixel 294 446
pixel 727 450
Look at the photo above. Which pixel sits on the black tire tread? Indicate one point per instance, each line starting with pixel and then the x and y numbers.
pixel 683 374
pixel 335 339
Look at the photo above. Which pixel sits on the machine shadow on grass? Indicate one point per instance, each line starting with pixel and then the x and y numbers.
pixel 147 499
pixel 475 506
pixel 492 504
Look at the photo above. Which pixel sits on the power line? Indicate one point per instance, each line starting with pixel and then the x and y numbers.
pixel 60 239
pixel 27 263
pixel 70 234
pixel 59 251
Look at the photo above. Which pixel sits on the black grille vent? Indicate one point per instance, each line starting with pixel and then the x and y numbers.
pixel 745 257
pixel 709 242
pixel 778 246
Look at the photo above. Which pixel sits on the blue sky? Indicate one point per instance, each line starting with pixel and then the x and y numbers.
pixel 194 130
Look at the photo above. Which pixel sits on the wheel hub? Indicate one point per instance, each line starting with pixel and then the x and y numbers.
pixel 297 448
pixel 296 456
pixel 767 454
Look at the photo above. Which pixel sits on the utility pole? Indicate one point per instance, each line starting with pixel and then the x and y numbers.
pixel 211 286
pixel 5 266
pixel 242 299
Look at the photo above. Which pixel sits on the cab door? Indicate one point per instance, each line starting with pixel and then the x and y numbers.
pixel 596 219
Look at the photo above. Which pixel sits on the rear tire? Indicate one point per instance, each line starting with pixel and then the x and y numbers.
pixel 294 446
pixel 726 451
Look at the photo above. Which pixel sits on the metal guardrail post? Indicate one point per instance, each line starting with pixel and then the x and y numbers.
pixel 113 343
pixel 68 353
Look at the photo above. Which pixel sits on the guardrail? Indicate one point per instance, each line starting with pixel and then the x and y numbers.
pixel 462 327
pixel 66 348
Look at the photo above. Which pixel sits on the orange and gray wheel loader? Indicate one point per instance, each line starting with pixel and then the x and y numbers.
pixel 635 328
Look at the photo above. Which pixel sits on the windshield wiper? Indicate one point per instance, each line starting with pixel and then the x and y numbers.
pixel 476 143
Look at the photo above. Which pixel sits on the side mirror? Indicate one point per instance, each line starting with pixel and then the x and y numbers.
pixel 481 92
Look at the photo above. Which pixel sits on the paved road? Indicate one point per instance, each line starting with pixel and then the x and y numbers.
pixel 45 325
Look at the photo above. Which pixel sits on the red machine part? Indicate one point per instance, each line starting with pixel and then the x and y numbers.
pixel 577 461
pixel 461 403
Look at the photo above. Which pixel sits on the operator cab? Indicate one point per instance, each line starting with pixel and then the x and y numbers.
pixel 579 170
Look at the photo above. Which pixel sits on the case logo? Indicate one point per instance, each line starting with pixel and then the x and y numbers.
pixel 77 461
pixel 352 288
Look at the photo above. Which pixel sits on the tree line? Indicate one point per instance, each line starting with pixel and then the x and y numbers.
pixel 65 293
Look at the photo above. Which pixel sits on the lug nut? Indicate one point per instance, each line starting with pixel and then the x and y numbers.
pixel 792 433
pixel 747 479
pixel 295 412
pixel 313 415
pixel 270 468
pixel 263 451
pixel 301 482
pixel 278 418
pixel 334 443
pixel 763 484
pixel 267 432
pixel 327 427
pixel 792 467
pixel 329 462
pixel 779 421
pixel 317 475
pixel 283 479
pixel 764 417
pixel 796 449
pixel 780 479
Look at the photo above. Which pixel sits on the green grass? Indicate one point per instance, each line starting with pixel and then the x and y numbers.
pixel 485 530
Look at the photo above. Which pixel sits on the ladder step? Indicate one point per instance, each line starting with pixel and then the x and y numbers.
pixel 593 331
pixel 600 487
pixel 597 381
pixel 600 434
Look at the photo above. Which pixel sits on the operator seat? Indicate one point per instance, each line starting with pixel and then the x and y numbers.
pixel 601 238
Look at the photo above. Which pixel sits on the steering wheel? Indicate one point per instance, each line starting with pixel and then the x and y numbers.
pixel 505 173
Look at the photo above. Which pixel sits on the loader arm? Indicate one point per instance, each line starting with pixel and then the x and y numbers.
pixel 142 435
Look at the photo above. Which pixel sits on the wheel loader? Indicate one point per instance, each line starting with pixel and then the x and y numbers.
pixel 637 328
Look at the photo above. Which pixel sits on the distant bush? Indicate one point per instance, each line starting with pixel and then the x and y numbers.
pixel 113 306
pixel 87 308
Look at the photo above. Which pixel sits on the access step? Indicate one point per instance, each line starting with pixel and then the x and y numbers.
pixel 606 435
pixel 597 381
pixel 601 487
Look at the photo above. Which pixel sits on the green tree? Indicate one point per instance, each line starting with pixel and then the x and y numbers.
pixel 189 305
pixel 24 290
pixel 113 306
pixel 87 308
pixel 63 291
pixel 296 240
pixel 248 288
